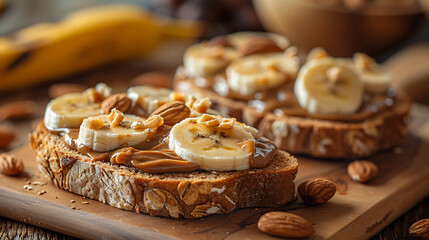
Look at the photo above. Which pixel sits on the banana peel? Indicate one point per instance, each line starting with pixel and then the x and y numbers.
pixel 83 40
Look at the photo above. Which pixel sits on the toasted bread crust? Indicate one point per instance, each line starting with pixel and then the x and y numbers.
pixel 189 195
pixel 314 137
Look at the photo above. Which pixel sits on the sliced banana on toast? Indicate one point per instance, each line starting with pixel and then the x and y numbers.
pixel 213 142
pixel 375 78
pixel 204 59
pixel 259 72
pixel 149 98
pixel 209 58
pixel 328 86
pixel 108 132
pixel 68 111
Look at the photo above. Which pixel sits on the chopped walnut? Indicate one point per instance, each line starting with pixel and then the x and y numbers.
pixel 94 123
pixel 115 118
pixel 177 96
pixel 201 105
pixel 208 120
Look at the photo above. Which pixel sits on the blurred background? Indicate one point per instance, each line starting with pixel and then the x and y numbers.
pixel 46 52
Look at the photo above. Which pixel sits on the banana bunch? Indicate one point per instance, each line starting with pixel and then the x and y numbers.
pixel 85 39
pixel 213 142
pixel 207 59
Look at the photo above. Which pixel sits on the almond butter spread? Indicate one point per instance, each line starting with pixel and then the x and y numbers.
pixel 153 155
pixel 282 100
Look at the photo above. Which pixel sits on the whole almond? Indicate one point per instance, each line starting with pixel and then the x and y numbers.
pixel 420 229
pixel 59 89
pixel 172 112
pixel 10 165
pixel 284 224
pixel 6 135
pixel 362 171
pixel 119 101
pixel 17 110
pixel 154 79
pixel 258 45
pixel 316 191
pixel 219 41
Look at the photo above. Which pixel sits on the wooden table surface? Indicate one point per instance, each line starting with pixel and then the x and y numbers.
pixel 118 76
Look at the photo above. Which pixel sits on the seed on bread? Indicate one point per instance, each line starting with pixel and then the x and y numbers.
pixel 285 224
pixel 316 191
pixel 10 165
pixel 362 171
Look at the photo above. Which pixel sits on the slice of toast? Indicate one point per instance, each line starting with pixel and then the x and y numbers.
pixel 309 136
pixel 189 194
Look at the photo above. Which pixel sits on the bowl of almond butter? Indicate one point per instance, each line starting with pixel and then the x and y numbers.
pixel 343 27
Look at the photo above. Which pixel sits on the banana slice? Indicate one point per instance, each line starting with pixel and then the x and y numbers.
pixel 259 72
pixel 149 98
pixel 100 134
pixel 240 38
pixel 213 142
pixel 205 60
pixel 375 78
pixel 68 111
pixel 328 86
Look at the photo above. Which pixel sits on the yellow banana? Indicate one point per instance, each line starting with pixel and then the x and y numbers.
pixel 83 40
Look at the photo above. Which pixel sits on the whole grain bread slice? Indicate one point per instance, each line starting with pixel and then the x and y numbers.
pixel 189 194
pixel 313 137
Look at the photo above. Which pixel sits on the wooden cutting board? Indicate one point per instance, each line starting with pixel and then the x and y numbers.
pixel 357 211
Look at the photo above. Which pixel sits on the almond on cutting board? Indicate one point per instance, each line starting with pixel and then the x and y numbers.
pixel 362 171
pixel 17 110
pixel 316 191
pixel 7 135
pixel 10 165
pixel 154 79
pixel 420 229
pixel 59 89
pixel 285 224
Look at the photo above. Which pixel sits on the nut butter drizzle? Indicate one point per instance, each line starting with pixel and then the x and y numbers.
pixel 152 161
pixel 282 100
pixel 153 156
